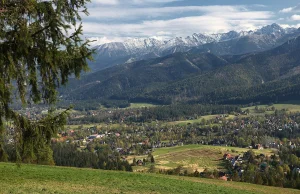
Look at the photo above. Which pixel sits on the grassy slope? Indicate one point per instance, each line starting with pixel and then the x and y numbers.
pixel 193 157
pixel 46 179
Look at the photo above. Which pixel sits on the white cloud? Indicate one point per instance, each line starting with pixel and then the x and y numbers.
pixel 103 40
pixel 116 23
pixel 291 9
pixel 286 10
pixel 106 2
pixel 290 26
pixel 177 27
pixel 295 17
pixel 259 5
pixel 130 2
pixel 140 2
pixel 101 13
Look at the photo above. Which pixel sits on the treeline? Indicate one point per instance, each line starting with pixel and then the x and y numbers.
pixel 183 111
pixel 103 158
pixel 162 113
pixel 214 92
pixel 115 103
pixel 80 105
pixel 204 90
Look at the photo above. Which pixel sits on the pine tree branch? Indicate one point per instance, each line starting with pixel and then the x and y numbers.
pixel 41 30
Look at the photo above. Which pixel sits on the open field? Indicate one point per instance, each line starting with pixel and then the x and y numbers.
pixel 206 117
pixel 141 105
pixel 98 125
pixel 194 157
pixel 47 179
pixel 79 126
pixel 289 107
pixel 134 105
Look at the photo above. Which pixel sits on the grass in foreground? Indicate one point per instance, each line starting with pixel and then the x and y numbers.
pixel 46 179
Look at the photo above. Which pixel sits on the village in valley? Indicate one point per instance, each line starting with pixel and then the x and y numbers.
pixel 220 146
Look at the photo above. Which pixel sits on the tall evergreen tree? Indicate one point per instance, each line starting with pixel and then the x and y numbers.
pixel 40 47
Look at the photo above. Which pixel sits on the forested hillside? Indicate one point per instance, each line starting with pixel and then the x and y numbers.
pixel 197 77
pixel 142 76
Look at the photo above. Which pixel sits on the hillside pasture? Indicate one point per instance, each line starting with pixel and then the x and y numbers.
pixel 194 157
pixel 48 179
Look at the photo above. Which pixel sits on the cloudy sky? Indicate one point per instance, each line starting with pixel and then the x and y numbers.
pixel 118 20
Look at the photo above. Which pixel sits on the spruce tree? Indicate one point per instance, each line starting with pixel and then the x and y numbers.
pixel 134 162
pixel 40 48
pixel 152 159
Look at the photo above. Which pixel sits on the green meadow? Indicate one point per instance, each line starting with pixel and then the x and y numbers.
pixel 193 157
pixel 50 179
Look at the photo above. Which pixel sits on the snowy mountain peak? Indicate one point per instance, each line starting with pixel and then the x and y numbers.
pixel 202 38
pixel 271 29
pixel 143 48
pixel 140 44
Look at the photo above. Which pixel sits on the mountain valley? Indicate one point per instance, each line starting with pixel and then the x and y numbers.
pixel 195 76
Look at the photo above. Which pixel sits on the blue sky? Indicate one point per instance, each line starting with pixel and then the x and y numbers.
pixel 118 20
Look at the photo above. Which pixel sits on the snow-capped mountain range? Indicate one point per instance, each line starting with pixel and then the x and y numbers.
pixel 233 42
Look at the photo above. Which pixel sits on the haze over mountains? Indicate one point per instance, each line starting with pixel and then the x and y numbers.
pixel 199 76
pixel 231 43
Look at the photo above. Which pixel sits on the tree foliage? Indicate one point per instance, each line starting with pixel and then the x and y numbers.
pixel 40 47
